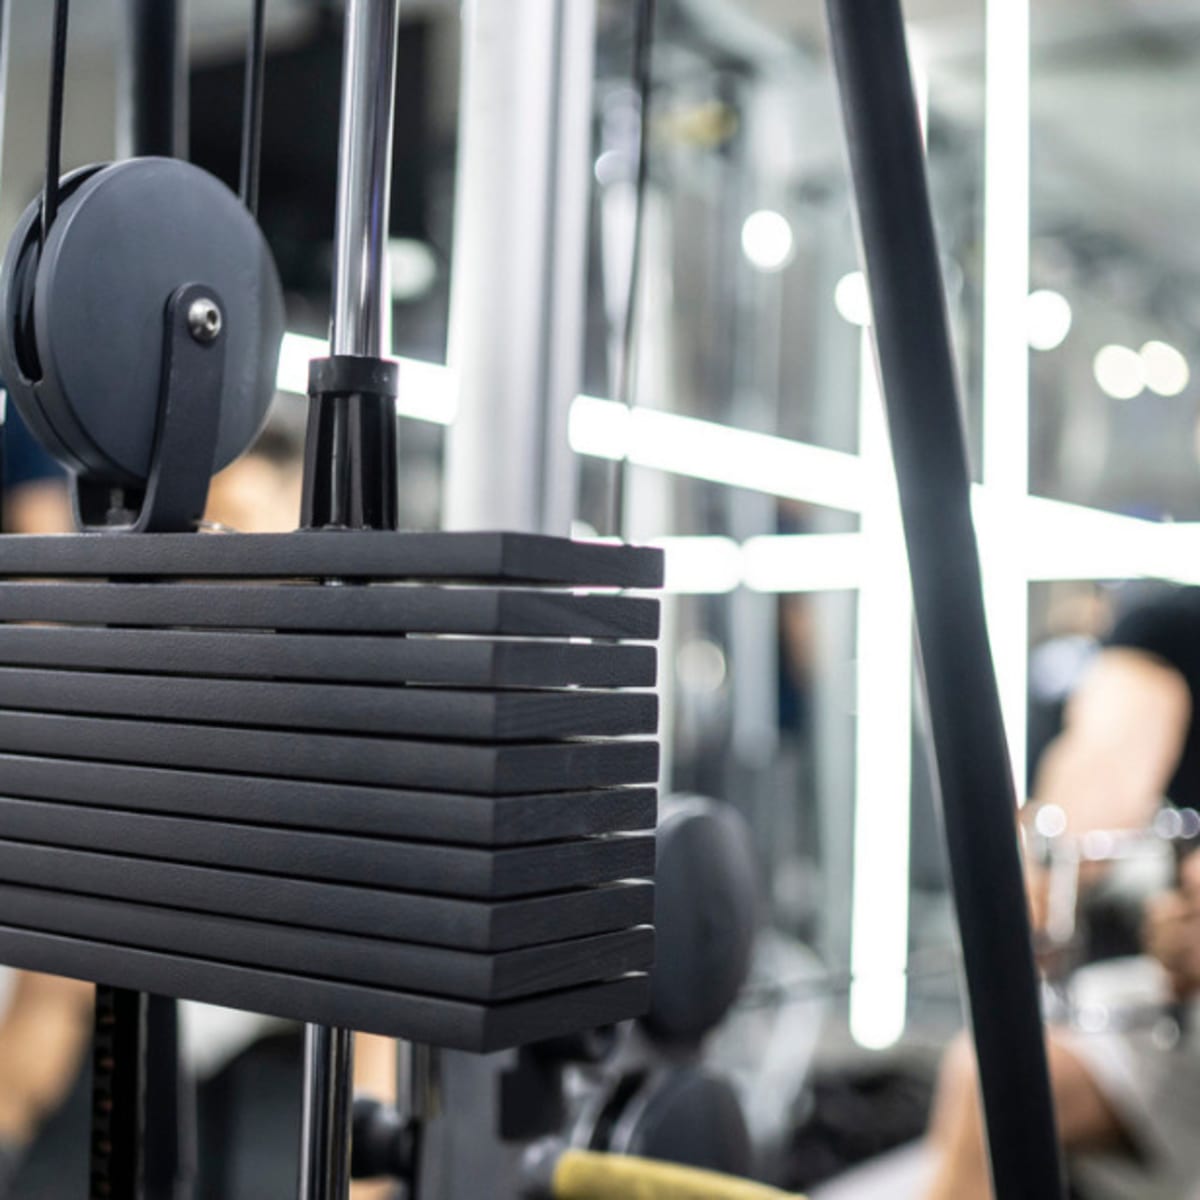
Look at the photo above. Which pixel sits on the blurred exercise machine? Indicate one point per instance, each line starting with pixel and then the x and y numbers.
pixel 227 767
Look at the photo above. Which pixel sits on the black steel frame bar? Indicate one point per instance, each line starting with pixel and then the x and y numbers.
pixel 155 104
pixel 973 768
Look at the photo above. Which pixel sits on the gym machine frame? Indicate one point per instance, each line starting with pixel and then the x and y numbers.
pixel 336 775
pixel 214 788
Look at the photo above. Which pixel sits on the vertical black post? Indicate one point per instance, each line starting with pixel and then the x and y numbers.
pixel 153 109
pixel 974 773
pixel 118 1095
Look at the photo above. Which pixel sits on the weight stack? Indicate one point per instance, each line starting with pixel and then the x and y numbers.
pixel 401 783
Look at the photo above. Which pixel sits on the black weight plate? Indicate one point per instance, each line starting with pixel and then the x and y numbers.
pixel 502 769
pixel 706 912
pixel 371 912
pixel 379 608
pixel 376 862
pixel 431 970
pixel 123 242
pixel 340 554
pixel 415 712
pixel 434 1021
pixel 336 658
pixel 342 808
pixel 690 1116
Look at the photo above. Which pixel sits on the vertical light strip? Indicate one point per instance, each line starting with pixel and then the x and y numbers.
pixel 1006 354
pixel 883 741
pixel 883 727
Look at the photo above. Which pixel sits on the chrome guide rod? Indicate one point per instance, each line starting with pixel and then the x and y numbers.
pixel 357 328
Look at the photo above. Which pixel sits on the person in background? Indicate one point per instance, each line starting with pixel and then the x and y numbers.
pixel 1126 1105
pixel 35 494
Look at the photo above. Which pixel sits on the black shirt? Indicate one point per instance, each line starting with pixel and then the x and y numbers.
pixel 1169 628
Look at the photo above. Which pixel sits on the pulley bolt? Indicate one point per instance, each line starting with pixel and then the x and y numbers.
pixel 204 320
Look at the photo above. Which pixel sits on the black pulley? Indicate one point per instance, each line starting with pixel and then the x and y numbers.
pixel 82 345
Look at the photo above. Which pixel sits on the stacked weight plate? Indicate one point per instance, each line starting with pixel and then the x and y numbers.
pixel 393 782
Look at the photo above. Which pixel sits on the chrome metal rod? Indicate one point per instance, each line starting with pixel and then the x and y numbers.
pixel 357 324
pixel 328 1098
pixel 364 177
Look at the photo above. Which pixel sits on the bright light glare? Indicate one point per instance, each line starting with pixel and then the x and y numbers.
pixel 1048 318
pixel 701 666
pixel 851 299
pixel 428 391
pixel 707 565
pixel 1120 372
pixel 1166 369
pixel 767 240
pixel 803 562
pixel 883 740
pixel 411 266
pixel 1051 821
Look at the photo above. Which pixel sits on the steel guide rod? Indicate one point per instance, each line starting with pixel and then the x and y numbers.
pixel 357 328
pixel 364 177
pixel 972 765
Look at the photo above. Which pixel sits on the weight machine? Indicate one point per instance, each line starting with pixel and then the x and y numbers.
pixel 395 782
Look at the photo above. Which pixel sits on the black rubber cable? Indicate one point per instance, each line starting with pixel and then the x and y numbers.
pixel 252 107
pixel 624 383
pixel 54 128
pixel 974 772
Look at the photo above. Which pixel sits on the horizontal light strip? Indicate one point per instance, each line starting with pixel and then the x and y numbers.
pixel 1058 540
pixel 701 565
pixel 1125 548
pixel 814 562
pixel 716 453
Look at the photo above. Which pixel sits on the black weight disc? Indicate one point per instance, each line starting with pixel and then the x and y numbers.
pixel 687 1115
pixel 125 239
pixel 706 916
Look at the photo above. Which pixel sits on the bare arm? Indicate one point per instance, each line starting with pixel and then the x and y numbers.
pixel 1125 730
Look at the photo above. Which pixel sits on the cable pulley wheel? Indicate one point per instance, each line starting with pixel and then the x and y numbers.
pixel 81 348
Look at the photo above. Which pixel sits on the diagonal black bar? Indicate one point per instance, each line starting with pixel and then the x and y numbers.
pixel 973 768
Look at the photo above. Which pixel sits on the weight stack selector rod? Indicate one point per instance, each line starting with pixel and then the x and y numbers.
pixel 350 452
pixel 337 447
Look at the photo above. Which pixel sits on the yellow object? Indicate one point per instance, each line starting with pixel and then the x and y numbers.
pixel 584 1175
